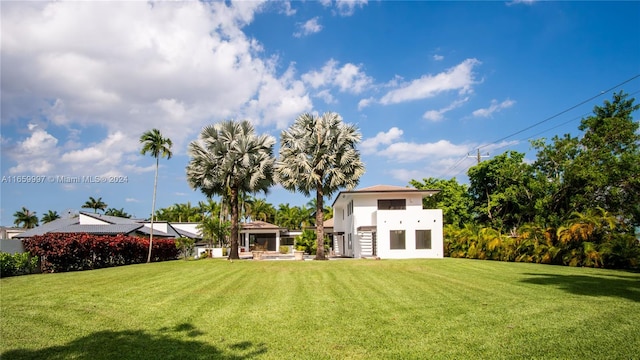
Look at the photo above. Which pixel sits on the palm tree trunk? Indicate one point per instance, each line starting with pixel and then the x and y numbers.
pixel 320 224
pixel 234 224
pixel 153 209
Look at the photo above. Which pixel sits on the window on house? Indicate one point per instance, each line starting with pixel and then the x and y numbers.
pixel 423 239
pixel 397 240
pixel 392 204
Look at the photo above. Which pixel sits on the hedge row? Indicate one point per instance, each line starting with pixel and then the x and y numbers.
pixel 17 264
pixel 59 252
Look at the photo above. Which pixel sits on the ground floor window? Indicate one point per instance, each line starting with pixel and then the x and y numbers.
pixel 397 239
pixel 423 239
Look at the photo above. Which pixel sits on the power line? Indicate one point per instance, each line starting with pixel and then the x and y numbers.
pixel 563 111
pixel 462 159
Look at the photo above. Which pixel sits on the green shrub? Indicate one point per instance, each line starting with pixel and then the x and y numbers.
pixel 17 264
pixel 284 249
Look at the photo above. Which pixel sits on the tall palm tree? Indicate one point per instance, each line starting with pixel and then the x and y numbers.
pixel 28 219
pixel 95 204
pixel 117 212
pixel 158 146
pixel 50 216
pixel 317 153
pixel 230 159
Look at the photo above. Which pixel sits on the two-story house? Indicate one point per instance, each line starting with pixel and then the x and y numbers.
pixel 388 222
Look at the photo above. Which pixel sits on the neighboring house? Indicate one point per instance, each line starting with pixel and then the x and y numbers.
pixel 386 222
pixel 98 224
pixel 7 242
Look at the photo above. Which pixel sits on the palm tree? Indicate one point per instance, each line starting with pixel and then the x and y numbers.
pixel 28 219
pixel 117 212
pixel 230 159
pixel 260 209
pixel 318 154
pixel 95 204
pixel 50 216
pixel 158 146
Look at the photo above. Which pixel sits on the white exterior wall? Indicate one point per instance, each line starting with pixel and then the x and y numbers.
pixel 88 220
pixel 410 220
pixel 366 213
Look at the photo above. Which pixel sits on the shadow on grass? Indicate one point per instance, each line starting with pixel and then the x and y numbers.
pixel 109 345
pixel 627 287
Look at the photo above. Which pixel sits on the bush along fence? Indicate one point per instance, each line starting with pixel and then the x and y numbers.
pixel 60 252
pixel 17 264
pixel 588 242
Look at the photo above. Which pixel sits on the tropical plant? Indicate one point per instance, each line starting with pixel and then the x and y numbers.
pixel 214 230
pixel 318 154
pixel 185 245
pixel 158 146
pixel 95 204
pixel 25 218
pixel 50 216
pixel 229 159
pixel 117 212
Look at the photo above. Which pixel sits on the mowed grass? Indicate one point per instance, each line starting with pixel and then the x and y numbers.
pixel 347 309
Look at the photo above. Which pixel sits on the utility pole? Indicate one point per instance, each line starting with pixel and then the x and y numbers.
pixel 478 156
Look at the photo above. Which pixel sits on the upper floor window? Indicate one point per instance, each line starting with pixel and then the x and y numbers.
pixel 392 204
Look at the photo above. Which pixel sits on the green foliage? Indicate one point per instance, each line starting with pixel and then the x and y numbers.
pixel 117 212
pixel 25 218
pixel 185 246
pixel 308 243
pixel 318 155
pixel 587 239
pixel 17 264
pixel 50 216
pixel 284 249
pixel 500 189
pixel 95 204
pixel 230 159
pixel 453 199
pixel 215 230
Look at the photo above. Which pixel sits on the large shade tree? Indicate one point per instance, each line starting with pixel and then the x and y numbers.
pixel 25 218
pixel 157 146
pixel 318 154
pixel 229 159
pixel 95 204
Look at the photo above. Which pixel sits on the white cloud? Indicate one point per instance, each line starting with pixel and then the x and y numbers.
pixel 311 26
pixel 348 7
pixel 437 57
pixel 36 154
pixel 363 103
pixel 516 2
pixel 348 78
pixel 175 66
pixel 326 96
pixel 459 77
pixel 286 8
pixel 438 115
pixel 493 108
pixel 370 145
pixel 412 152
pixel 131 200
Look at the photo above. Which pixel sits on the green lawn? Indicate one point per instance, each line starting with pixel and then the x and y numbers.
pixel 350 309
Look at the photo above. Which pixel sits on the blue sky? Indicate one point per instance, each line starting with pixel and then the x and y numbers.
pixel 427 83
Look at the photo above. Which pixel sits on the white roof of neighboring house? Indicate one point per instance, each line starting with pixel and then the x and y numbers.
pixel 376 189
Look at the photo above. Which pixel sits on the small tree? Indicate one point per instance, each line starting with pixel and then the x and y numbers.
pixel 185 245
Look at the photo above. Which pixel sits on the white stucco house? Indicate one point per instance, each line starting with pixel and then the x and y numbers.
pixel 387 222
